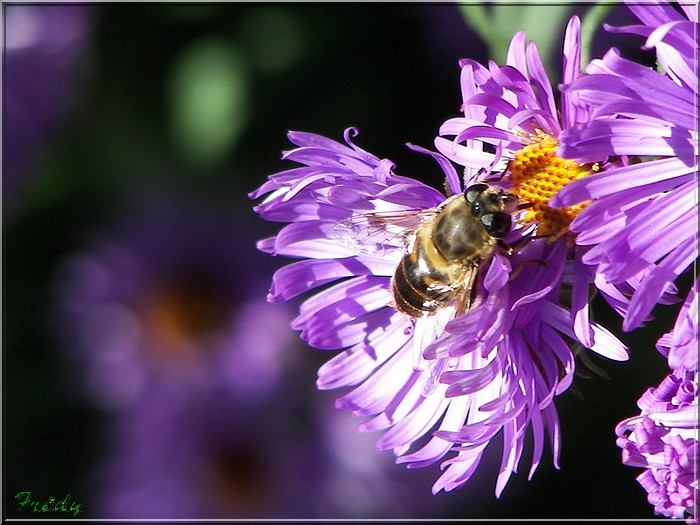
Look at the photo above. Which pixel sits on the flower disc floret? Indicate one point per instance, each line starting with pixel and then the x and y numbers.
pixel 537 174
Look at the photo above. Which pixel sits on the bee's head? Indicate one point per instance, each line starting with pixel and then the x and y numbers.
pixel 493 207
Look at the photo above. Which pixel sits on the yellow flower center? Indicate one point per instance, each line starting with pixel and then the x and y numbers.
pixel 537 175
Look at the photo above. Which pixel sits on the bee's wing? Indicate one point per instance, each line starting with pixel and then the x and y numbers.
pixel 382 232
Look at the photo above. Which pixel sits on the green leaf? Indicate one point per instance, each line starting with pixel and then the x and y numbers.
pixel 590 23
pixel 496 24
pixel 209 100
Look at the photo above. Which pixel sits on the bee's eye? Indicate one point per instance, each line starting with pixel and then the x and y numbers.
pixel 497 224
pixel 477 208
pixel 473 191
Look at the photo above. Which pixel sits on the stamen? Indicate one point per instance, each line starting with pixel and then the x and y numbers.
pixel 537 175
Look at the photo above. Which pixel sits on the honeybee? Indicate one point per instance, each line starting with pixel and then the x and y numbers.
pixel 443 246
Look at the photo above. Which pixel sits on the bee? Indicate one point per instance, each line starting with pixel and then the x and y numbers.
pixel 443 246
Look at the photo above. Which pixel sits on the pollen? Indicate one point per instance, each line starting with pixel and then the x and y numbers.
pixel 537 175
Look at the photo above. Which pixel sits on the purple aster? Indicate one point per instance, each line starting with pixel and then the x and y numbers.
pixel 512 123
pixel 663 439
pixel 185 453
pixel 642 225
pixel 436 384
pixel 166 298
pixel 680 345
pixel 512 120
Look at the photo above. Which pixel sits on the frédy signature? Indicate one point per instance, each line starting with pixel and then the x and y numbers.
pixel 50 505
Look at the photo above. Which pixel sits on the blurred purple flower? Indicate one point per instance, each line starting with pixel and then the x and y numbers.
pixel 663 439
pixel 43 45
pixel 170 298
pixel 642 224
pixel 436 384
pixel 184 454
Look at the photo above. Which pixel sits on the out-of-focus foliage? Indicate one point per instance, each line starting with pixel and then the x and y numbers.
pixel 497 23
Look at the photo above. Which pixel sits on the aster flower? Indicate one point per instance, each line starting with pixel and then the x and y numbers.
pixel 642 225
pixel 161 299
pixel 187 453
pixel 436 383
pixel 512 124
pixel 663 438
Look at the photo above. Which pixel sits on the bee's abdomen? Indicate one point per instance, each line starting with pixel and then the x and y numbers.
pixel 410 295
pixel 417 288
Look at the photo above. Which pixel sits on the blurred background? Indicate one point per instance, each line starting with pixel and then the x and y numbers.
pixel 144 374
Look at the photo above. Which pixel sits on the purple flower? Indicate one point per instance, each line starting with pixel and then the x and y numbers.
pixel 642 225
pixel 168 298
pixel 185 453
pixel 512 124
pixel 663 439
pixel 679 346
pixel 436 384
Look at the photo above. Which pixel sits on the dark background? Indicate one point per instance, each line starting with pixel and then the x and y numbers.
pixel 389 70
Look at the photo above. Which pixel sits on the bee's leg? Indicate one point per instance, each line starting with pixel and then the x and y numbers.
pixel 545 236
pixel 448 190
pixel 518 267
pixel 505 247
pixel 467 291
pixel 510 249
pixel 463 302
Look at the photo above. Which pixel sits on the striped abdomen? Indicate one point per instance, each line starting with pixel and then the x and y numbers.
pixel 425 281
